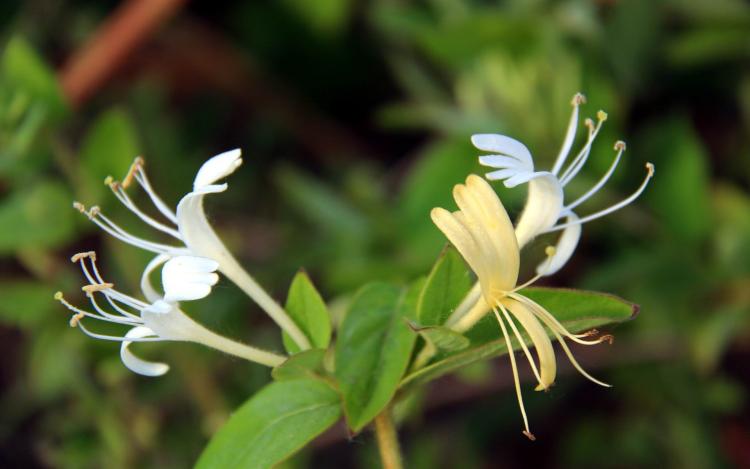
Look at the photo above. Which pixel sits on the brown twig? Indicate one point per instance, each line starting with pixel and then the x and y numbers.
pixel 108 48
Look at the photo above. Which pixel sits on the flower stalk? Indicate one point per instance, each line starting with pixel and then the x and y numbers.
pixel 387 437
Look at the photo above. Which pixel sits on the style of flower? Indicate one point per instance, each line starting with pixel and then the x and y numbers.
pixel 190 228
pixel 483 233
pixel 545 210
pixel 159 319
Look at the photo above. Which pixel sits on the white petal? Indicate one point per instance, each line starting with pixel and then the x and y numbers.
pixel 188 278
pixel 135 364
pixel 506 146
pixel 543 206
pixel 146 286
pixel 499 161
pixel 501 174
pixel 218 167
pixel 199 237
pixel 520 178
pixel 566 245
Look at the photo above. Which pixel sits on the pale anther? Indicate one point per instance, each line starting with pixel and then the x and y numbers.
pixel 76 319
pixel 96 287
pixel 83 255
pixel 137 163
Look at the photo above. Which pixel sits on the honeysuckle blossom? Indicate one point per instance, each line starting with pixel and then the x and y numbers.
pixel 189 228
pixel 161 319
pixel 545 210
pixel 483 233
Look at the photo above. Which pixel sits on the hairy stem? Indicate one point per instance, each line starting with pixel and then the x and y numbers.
pixel 385 432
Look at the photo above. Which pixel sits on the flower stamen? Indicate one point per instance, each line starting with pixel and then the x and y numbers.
pixel 613 208
pixel 516 381
pixel 98 287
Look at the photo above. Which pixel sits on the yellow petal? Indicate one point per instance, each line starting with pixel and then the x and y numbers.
pixel 542 343
pixel 460 237
pixel 500 230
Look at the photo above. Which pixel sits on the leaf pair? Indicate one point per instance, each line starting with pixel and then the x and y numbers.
pixel 373 352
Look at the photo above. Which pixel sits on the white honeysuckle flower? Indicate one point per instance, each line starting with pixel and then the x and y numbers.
pixel 483 233
pixel 545 210
pixel 183 278
pixel 189 226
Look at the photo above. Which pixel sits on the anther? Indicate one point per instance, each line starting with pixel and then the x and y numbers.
pixel 95 287
pixel 651 169
pixel 76 319
pixel 620 145
pixel 578 99
pixel 607 338
pixel 601 115
pixel 590 333
pixel 58 296
pixel 94 211
pixel 529 435
pixel 589 124
pixel 108 180
pixel 83 255
pixel 79 206
pixel 137 163
pixel 550 251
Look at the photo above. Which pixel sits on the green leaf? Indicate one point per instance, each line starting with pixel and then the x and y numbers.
pixel 307 364
pixel 39 217
pixel 25 304
pixel 308 310
pixel 442 338
pixel 109 148
pixel 24 71
pixel 683 174
pixel 373 349
pixel 446 286
pixel 577 310
pixel 272 425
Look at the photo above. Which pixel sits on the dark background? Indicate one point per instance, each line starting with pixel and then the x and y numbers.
pixel 354 118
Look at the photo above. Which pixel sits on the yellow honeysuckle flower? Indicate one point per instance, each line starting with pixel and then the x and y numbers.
pixel 483 233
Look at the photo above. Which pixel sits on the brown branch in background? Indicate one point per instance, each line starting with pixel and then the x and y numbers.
pixel 109 47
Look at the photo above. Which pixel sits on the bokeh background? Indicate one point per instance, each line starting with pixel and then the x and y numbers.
pixel 354 118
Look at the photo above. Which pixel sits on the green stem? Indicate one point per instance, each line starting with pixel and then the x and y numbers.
pixel 385 432
pixel 234 271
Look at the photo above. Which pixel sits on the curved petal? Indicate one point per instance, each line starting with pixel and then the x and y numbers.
pixel 542 343
pixel 218 167
pixel 197 233
pixel 188 278
pixel 138 365
pixel 544 203
pixel 146 286
pixel 506 146
pixel 566 245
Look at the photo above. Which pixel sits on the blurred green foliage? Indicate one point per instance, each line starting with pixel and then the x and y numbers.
pixel 412 80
